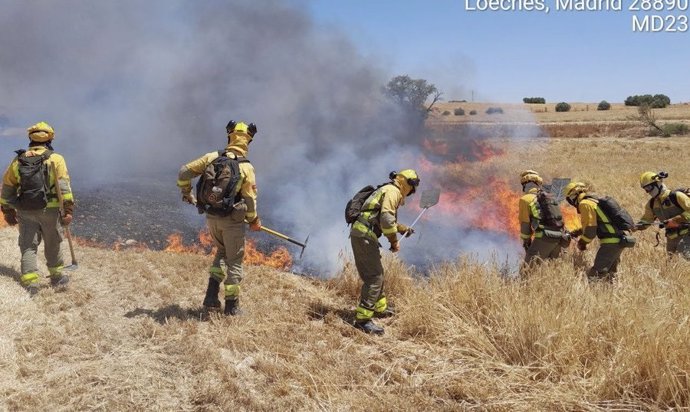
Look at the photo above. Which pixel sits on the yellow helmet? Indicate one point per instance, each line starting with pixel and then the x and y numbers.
pixel 574 188
pixel 408 177
pixel 647 178
pixel 530 176
pixel 233 126
pixel 41 132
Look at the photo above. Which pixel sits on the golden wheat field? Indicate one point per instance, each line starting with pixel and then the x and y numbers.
pixel 128 333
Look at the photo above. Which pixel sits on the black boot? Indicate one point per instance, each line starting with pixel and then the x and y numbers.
pixel 369 327
pixel 386 313
pixel 211 300
pixel 59 280
pixel 232 307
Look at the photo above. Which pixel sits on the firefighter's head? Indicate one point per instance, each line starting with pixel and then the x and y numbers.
pixel 242 130
pixel 407 180
pixel 41 132
pixel 652 183
pixel 529 179
pixel 572 192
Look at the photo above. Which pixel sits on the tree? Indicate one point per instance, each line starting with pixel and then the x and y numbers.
pixel 604 105
pixel 412 94
pixel 562 107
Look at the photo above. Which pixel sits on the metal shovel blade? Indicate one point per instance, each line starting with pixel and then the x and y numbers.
pixel 429 198
pixel 557 186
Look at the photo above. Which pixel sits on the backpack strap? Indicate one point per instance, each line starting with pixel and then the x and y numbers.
pixel 673 196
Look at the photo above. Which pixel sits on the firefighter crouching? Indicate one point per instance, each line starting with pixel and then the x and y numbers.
pixel 378 216
pixel 541 238
pixel 227 228
pixel 671 208
pixel 598 222
pixel 28 200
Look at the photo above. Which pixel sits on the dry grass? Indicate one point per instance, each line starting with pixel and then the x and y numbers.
pixel 128 335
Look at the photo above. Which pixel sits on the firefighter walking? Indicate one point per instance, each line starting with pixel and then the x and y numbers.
pixel 225 224
pixel 671 208
pixel 29 198
pixel 378 217
pixel 540 239
pixel 597 223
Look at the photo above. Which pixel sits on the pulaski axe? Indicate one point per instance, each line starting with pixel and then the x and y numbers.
pixel 68 233
pixel 429 198
pixel 285 237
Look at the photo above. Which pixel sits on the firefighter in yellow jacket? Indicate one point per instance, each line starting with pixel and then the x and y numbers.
pixel 670 208
pixel 595 223
pixel 532 229
pixel 29 200
pixel 227 228
pixel 378 216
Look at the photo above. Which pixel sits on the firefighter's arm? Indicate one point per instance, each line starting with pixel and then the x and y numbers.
pixel 684 202
pixel 588 216
pixel 10 182
pixel 193 169
pixel 62 178
pixel 647 218
pixel 389 210
pixel 249 192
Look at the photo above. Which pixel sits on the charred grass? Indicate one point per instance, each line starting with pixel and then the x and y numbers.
pixel 128 333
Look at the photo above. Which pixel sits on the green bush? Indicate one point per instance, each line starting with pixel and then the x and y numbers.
pixel 678 129
pixel 459 111
pixel 534 100
pixel 562 107
pixel 473 112
pixel 604 105
pixel 445 113
pixel 658 101
pixel 492 110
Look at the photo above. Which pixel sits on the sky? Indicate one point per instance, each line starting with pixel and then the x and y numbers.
pixel 503 56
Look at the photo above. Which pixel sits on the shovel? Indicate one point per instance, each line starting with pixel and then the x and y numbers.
pixel 68 234
pixel 429 198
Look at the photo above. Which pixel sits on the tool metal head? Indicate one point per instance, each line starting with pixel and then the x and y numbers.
pixel 556 187
pixel 429 198
pixel 304 247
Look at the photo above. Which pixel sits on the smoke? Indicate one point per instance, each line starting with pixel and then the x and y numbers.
pixel 136 89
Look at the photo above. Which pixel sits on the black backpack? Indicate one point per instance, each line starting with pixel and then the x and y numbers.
pixel 354 206
pixel 216 189
pixel 674 195
pixel 33 191
pixel 619 217
pixel 551 216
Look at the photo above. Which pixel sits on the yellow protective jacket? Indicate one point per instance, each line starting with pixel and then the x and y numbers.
pixel 594 222
pixel 247 184
pixel 528 214
pixel 662 208
pixel 10 180
pixel 379 213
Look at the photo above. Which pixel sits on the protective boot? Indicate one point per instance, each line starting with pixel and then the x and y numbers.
pixel 211 300
pixel 232 307
pixel 386 313
pixel 369 327
pixel 59 280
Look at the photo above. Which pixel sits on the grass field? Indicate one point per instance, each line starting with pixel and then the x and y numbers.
pixel 128 334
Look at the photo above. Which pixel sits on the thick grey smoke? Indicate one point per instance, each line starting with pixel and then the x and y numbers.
pixel 135 89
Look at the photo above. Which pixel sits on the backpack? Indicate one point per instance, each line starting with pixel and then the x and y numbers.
pixel 619 217
pixel 354 206
pixel 216 191
pixel 33 191
pixel 674 195
pixel 551 216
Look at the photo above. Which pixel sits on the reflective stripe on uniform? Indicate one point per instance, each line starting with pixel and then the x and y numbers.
pixel 232 291
pixel 29 278
pixel 54 271
pixel 606 221
pixel 184 183
pixel 216 273
pixel 363 313
pixel 608 240
pixel 389 231
pixel 381 305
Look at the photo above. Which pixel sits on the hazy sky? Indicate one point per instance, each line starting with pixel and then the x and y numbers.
pixel 507 55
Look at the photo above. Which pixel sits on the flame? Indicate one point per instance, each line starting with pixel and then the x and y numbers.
pixel 571 220
pixel 279 258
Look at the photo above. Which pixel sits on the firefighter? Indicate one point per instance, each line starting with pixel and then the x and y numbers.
pixel 227 231
pixel 32 203
pixel 378 216
pixel 532 227
pixel 595 223
pixel 671 209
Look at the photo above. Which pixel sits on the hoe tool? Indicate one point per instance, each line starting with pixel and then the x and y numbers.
pixel 285 237
pixel 68 234
pixel 429 198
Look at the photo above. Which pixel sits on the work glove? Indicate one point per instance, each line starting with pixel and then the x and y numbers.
pixel 581 245
pixel 405 230
pixel 67 213
pixel 10 215
pixel 393 239
pixel 255 225
pixel 526 243
pixel 189 198
pixel 670 224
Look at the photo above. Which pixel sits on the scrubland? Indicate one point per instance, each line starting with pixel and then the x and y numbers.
pixel 128 334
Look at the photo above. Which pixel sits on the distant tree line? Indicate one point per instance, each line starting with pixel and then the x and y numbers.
pixel 534 100
pixel 658 101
